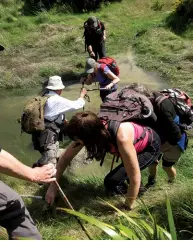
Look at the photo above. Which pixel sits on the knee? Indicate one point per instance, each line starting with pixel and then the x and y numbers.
pixel 107 182
pixel 15 205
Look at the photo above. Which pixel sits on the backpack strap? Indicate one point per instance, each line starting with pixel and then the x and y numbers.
pixel 102 67
pixel 113 127
pixel 160 98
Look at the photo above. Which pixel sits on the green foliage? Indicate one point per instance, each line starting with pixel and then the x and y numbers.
pixel 130 227
pixel 33 6
pixel 49 70
pixel 181 17
pixel 171 220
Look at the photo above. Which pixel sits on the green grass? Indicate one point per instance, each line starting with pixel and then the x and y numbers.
pixel 49 39
pixel 51 43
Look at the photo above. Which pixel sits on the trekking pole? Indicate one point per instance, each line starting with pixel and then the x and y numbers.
pixel 87 97
pixel 70 206
pixel 32 196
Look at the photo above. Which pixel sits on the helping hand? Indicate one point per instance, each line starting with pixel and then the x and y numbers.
pixel 83 92
pixel 44 174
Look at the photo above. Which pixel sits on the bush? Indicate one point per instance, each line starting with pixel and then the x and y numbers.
pixel 33 6
pixel 182 16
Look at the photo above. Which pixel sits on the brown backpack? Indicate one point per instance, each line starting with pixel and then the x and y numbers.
pixel 32 118
pixel 126 105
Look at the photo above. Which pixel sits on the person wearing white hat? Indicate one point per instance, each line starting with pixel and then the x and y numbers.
pixel 46 142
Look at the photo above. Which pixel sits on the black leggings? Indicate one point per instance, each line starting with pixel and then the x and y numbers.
pixel 99 51
pixel 115 180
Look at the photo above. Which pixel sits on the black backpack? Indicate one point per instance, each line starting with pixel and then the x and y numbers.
pixel 98 31
pixel 181 102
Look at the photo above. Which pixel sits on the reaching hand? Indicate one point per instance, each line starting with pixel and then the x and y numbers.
pixel 109 86
pixel 83 92
pixel 44 174
pixel 92 54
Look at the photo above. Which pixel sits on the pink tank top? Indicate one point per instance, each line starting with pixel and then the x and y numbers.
pixel 140 145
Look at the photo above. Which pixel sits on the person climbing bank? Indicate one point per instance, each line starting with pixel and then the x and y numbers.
pixel 138 147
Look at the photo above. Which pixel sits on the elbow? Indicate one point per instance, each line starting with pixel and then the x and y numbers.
pixel 117 80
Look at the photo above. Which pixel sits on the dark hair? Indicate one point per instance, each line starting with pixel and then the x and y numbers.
pixel 87 127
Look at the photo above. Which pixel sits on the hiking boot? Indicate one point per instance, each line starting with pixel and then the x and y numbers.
pixel 171 181
pixel 142 190
pixel 151 182
pixel 117 190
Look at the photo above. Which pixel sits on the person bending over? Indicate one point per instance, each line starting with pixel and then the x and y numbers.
pixel 137 145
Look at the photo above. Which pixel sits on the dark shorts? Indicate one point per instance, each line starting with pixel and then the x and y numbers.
pixel 115 180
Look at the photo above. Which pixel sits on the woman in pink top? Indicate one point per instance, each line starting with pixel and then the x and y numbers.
pixel 137 146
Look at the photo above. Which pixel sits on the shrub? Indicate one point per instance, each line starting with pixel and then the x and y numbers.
pixel 182 16
pixel 33 6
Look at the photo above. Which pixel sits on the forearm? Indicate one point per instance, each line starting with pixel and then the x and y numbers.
pixel 65 159
pixel 132 193
pixel 130 161
pixel 11 166
pixel 89 48
pixel 115 81
pixel 104 34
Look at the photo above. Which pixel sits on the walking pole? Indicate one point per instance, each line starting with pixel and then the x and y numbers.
pixel 70 206
pixel 32 196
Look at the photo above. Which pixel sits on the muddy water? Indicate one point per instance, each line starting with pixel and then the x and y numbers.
pixel 12 102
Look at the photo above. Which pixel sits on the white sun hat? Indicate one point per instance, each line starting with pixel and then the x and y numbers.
pixel 55 83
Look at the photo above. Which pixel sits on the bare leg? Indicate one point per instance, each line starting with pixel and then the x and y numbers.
pixel 171 172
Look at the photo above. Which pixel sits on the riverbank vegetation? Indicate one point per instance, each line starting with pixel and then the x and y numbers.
pixel 50 42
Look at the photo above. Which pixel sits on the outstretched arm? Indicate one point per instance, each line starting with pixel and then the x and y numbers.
pixel 11 166
pixel 128 153
pixel 64 160
pixel 115 79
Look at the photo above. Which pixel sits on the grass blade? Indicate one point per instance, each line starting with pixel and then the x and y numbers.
pixel 127 232
pixel 103 226
pixel 171 219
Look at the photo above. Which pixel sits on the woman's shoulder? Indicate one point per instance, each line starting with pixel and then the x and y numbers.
pixel 126 127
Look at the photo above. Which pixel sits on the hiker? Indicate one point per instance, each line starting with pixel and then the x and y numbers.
pixel 95 36
pixel 170 129
pixel 14 216
pixel 47 141
pixel 102 73
pixel 137 145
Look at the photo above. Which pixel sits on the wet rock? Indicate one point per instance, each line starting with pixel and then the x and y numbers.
pixel 78 161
